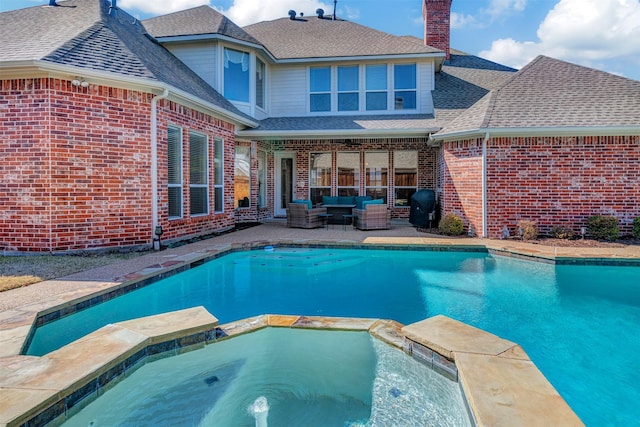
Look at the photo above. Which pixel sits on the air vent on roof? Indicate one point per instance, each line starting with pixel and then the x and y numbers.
pixel 320 13
pixel 292 14
pixel 53 3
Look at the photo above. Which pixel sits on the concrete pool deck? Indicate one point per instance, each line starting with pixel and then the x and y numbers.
pixel 19 308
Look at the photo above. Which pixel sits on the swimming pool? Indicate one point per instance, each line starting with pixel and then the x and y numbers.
pixel 577 323
pixel 309 378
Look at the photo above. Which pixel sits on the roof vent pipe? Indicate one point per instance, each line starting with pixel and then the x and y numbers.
pixel 320 13
pixel 53 3
pixel 292 14
pixel 113 8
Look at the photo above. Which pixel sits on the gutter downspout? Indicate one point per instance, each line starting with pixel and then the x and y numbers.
pixel 154 161
pixel 484 185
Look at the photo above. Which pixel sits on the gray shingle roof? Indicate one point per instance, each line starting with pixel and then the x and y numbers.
pixel 405 121
pixel 463 81
pixel 81 33
pixel 313 37
pixel 345 126
pixel 549 93
pixel 200 20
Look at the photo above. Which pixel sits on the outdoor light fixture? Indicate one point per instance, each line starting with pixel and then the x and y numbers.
pixel 80 82
pixel 156 240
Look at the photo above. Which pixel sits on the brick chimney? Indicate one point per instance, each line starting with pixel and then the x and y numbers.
pixel 436 14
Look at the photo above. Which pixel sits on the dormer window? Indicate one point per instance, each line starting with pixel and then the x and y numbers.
pixel 236 75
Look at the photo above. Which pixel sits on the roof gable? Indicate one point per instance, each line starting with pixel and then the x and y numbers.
pixel 202 20
pixel 87 36
pixel 314 37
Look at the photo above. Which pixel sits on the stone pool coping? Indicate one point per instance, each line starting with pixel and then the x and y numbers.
pixel 501 384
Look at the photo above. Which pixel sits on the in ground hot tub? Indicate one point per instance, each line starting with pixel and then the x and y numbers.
pixel 282 377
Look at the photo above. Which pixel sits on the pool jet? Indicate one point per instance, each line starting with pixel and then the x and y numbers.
pixel 260 410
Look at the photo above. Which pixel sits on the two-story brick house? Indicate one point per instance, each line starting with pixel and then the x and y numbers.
pixel 111 127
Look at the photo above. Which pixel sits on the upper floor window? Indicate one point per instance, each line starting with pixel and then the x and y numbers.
pixel 348 87
pixel 236 75
pixel 404 85
pixel 376 87
pixel 320 88
pixel 260 82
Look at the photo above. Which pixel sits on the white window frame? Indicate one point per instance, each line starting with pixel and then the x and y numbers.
pixel 218 185
pixel 178 184
pixel 397 154
pixel 204 185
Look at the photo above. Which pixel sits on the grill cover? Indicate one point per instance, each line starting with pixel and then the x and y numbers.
pixel 423 202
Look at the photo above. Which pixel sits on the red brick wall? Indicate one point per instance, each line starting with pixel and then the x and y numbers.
pixel 24 165
pixel 437 15
pixel 187 119
pixel 76 166
pixel 554 181
pixel 460 179
pixel 563 181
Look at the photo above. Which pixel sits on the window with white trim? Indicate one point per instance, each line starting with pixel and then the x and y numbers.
pixel 320 166
pixel 405 175
pixel 320 89
pixel 261 76
pixel 262 179
pixel 376 87
pixel 236 75
pixel 218 175
pixel 348 88
pixel 242 177
pixel 405 87
pixel 376 174
pixel 348 164
pixel 174 171
pixel 198 174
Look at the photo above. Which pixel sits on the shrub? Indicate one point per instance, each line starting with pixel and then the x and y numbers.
pixel 635 230
pixel 603 227
pixel 451 225
pixel 528 230
pixel 560 232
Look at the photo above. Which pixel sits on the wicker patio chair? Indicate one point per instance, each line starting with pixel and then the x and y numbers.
pixel 373 217
pixel 300 216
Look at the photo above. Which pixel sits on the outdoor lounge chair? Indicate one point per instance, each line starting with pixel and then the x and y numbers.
pixel 299 215
pixel 373 217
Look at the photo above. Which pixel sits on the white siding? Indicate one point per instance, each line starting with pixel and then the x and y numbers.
pixel 287 91
pixel 425 86
pixel 200 57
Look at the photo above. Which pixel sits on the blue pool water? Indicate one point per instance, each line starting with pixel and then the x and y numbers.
pixel 310 378
pixel 579 324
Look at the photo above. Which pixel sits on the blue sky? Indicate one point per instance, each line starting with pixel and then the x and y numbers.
pixel 603 34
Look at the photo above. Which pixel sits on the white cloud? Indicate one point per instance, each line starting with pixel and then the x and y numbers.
pixel 498 8
pixel 245 12
pixel 160 7
pixel 459 21
pixel 352 13
pixel 584 31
